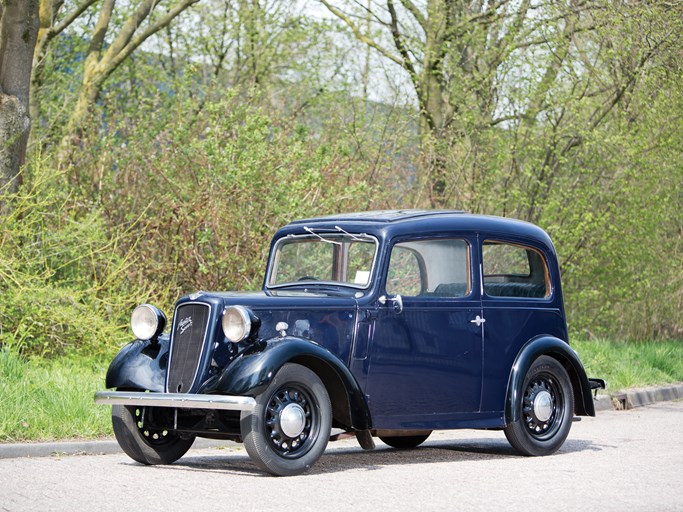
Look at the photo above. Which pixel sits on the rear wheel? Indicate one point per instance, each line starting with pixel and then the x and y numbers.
pixel 289 428
pixel 142 443
pixel 546 408
pixel 404 442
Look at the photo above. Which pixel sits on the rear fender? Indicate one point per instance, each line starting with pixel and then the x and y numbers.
pixel 557 349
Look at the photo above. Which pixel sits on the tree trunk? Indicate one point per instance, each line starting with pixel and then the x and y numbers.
pixel 48 30
pixel 18 31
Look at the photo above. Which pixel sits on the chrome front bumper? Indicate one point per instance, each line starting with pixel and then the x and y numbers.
pixel 176 400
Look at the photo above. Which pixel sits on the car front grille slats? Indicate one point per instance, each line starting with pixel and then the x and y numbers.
pixel 188 338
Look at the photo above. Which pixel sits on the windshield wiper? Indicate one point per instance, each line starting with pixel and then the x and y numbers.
pixel 357 238
pixel 306 228
pixel 362 237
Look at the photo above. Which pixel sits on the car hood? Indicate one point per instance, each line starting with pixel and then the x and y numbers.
pixel 326 319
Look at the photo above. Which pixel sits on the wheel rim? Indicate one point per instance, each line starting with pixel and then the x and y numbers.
pixel 153 437
pixel 292 422
pixel 543 407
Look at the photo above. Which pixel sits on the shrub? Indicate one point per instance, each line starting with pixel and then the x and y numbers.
pixel 63 278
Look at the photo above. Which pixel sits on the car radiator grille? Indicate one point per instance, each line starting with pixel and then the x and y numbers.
pixel 190 324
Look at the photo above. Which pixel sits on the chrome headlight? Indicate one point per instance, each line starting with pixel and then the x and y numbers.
pixel 147 322
pixel 239 323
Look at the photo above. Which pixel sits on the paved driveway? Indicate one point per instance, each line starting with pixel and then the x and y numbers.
pixel 621 461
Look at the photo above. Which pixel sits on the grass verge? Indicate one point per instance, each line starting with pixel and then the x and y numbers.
pixel 627 365
pixel 43 400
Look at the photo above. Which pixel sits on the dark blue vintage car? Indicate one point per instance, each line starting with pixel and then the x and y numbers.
pixel 384 324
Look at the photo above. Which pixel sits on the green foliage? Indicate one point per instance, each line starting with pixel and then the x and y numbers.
pixel 593 155
pixel 204 186
pixel 43 400
pixel 628 365
pixel 246 115
pixel 63 275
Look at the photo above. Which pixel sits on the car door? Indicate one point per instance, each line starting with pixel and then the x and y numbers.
pixel 520 301
pixel 425 352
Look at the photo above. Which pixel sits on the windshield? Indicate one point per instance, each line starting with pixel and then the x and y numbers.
pixel 344 259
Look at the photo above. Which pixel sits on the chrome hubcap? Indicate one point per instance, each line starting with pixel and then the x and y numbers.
pixel 292 420
pixel 543 406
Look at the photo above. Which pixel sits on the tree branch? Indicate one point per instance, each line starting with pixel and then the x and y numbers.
pixel 129 28
pixel 359 35
pixel 417 14
pixel 100 30
pixel 70 18
pixel 136 41
pixel 406 63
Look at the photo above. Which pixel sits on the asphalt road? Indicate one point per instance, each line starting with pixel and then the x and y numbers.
pixel 621 461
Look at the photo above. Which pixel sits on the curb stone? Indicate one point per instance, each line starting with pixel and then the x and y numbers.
pixel 646 396
pixel 638 397
pixel 107 447
pixel 619 400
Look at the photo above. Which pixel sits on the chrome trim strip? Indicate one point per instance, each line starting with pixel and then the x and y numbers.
pixel 177 400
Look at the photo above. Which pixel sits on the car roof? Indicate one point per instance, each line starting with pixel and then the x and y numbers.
pixel 386 224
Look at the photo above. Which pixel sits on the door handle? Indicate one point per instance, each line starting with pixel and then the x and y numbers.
pixel 397 301
pixel 478 321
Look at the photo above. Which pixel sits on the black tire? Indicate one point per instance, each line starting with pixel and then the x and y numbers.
pixel 546 407
pixel 404 442
pixel 298 397
pixel 145 445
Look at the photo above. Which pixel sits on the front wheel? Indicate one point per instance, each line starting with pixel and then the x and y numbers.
pixel 289 428
pixel 144 443
pixel 546 409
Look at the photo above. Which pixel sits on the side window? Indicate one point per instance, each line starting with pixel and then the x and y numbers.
pixel 439 268
pixel 405 275
pixel 512 270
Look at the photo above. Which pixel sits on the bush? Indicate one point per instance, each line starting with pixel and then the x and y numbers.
pixel 63 277
pixel 206 190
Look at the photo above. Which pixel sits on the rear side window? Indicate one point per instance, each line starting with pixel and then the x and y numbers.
pixel 512 270
pixel 430 268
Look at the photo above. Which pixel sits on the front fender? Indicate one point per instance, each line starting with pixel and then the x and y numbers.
pixel 560 350
pixel 140 365
pixel 251 373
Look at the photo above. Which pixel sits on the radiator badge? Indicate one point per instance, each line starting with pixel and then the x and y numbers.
pixel 184 325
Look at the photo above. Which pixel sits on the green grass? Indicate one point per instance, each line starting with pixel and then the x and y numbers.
pixel 631 365
pixel 43 400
